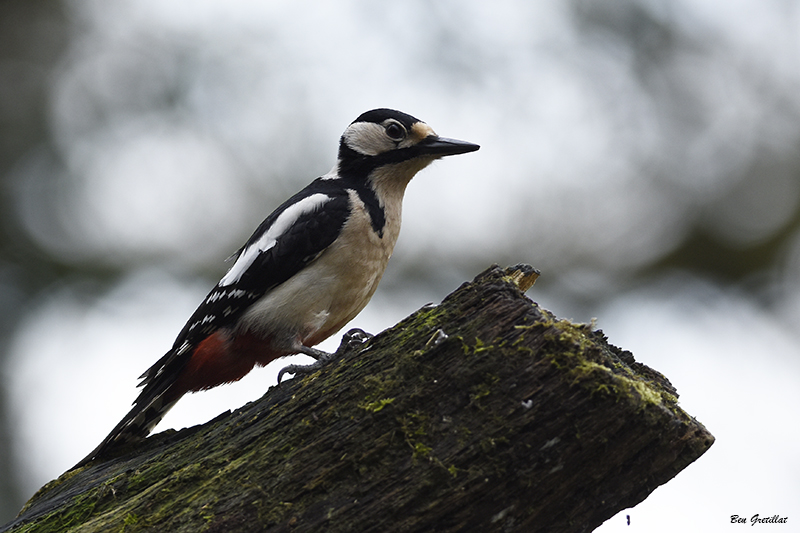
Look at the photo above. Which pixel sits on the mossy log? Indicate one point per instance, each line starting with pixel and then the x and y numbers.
pixel 484 413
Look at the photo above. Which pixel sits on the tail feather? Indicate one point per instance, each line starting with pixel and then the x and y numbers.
pixel 135 426
pixel 184 368
pixel 159 395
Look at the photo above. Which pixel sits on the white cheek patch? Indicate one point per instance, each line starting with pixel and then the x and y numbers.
pixel 367 138
pixel 270 237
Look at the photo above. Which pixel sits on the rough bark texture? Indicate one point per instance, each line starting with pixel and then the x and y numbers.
pixel 485 413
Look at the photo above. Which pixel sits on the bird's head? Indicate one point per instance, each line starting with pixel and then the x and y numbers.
pixel 395 142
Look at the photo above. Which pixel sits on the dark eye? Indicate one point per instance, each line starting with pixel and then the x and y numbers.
pixel 395 131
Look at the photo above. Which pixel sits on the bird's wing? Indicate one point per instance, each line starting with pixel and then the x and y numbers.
pixel 292 237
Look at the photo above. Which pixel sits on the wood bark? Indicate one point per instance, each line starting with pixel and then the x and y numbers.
pixel 484 413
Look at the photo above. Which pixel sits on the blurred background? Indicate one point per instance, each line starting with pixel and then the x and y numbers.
pixel 644 154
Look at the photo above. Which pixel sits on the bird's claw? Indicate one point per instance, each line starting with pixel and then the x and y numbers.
pixel 350 341
pixel 300 369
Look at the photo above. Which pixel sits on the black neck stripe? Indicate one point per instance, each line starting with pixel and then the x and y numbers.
pixel 353 170
pixel 377 216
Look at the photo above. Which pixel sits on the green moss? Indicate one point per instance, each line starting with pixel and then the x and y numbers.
pixel 377 405
pixel 80 510
pixel 130 519
pixel 422 450
pixel 572 350
pixel 141 479
pixel 415 426
pixel 480 391
pixel 424 320
pixel 484 389
pixel 50 486
pixel 274 513
pixel 481 347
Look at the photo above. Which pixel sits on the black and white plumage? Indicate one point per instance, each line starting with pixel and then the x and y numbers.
pixel 308 269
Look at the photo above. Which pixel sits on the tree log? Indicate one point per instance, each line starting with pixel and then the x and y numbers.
pixel 484 413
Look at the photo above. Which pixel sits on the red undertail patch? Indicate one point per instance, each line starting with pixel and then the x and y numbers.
pixel 214 361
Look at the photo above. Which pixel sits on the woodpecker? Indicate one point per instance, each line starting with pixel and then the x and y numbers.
pixel 308 269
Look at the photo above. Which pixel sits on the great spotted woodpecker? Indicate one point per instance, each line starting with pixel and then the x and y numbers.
pixel 309 268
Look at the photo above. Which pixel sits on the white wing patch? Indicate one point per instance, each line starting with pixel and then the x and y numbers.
pixel 219 295
pixel 270 237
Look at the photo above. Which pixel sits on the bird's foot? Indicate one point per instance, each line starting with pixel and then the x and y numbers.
pixel 350 341
pixel 302 369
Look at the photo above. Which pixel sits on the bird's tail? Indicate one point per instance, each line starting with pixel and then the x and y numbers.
pixel 136 425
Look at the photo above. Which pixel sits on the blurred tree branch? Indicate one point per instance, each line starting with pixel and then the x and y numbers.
pixel 485 412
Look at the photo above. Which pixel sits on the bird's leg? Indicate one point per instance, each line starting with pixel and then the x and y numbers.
pixel 319 355
pixel 350 341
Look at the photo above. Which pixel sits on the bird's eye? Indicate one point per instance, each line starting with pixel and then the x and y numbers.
pixel 395 131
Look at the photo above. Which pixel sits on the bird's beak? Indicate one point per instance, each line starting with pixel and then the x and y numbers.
pixel 441 146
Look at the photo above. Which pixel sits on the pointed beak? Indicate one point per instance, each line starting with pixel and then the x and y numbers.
pixel 442 146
